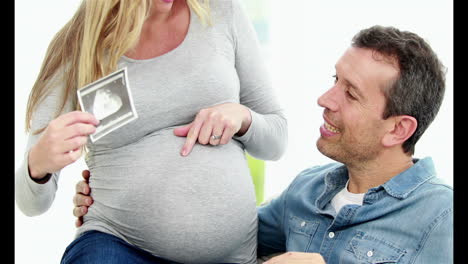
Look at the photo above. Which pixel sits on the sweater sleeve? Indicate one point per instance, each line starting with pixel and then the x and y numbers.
pixel 31 197
pixel 266 137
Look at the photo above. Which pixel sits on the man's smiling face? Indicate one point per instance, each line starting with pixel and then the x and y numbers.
pixel 353 123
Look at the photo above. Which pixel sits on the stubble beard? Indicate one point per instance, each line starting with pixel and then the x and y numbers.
pixel 354 154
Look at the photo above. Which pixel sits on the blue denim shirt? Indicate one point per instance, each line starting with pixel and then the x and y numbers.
pixel 409 219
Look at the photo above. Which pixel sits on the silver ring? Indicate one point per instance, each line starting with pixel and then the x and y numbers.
pixel 215 137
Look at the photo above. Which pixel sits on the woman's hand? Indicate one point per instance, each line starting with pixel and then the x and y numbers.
pixel 215 125
pixel 60 143
pixel 82 199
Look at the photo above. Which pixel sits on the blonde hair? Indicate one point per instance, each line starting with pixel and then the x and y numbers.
pixel 90 45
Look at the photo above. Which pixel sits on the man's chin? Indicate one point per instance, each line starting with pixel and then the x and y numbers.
pixel 325 149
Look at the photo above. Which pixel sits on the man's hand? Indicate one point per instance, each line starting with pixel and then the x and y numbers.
pixel 82 199
pixel 297 257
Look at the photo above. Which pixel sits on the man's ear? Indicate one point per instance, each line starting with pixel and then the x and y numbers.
pixel 400 129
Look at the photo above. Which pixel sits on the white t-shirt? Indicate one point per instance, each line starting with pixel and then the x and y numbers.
pixel 344 197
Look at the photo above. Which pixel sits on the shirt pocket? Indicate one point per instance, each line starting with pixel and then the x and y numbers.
pixel 300 234
pixel 368 249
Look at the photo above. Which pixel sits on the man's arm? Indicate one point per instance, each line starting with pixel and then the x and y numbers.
pixel 437 246
pixel 271 236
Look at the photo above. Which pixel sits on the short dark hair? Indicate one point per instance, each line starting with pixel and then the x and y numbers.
pixel 419 89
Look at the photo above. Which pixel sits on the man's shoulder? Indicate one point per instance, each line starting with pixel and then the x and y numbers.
pixel 434 197
pixel 434 187
pixel 440 184
pixel 438 190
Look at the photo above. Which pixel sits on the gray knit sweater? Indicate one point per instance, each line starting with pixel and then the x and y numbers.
pixel 194 209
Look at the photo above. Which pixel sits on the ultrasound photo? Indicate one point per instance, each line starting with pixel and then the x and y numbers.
pixel 110 100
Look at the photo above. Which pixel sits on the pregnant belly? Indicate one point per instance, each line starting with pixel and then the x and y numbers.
pixel 193 209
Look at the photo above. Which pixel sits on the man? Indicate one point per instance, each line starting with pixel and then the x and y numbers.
pixel 377 204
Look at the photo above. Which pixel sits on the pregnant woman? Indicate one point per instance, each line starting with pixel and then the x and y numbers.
pixel 173 185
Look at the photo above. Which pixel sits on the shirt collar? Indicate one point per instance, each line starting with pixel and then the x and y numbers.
pixel 401 185
pixel 335 180
pixel 337 177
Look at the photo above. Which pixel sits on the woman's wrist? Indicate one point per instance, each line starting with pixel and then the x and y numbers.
pixel 246 121
pixel 41 180
pixel 34 172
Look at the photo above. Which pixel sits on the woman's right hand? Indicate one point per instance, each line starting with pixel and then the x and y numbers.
pixel 82 198
pixel 60 143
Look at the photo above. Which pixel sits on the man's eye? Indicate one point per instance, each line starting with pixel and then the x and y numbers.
pixel 335 77
pixel 350 95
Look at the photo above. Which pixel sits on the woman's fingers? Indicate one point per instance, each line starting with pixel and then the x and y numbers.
pixel 75 117
pixel 206 130
pixel 182 131
pixel 73 144
pixel 78 129
pixel 192 136
pixel 216 135
pixel 215 125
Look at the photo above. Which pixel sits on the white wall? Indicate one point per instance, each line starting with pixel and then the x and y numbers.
pixel 307 37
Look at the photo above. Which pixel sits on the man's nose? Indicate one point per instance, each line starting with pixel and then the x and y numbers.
pixel 329 99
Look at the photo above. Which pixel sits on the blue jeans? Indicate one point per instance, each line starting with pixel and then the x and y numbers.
pixel 101 248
